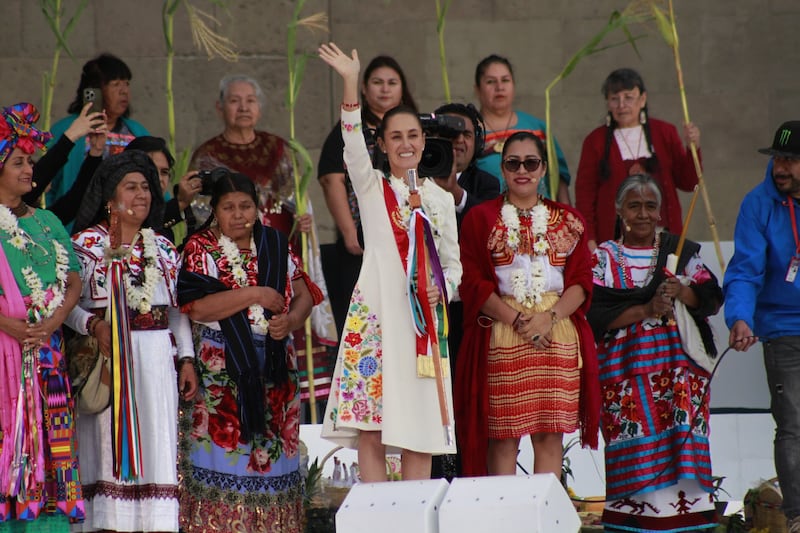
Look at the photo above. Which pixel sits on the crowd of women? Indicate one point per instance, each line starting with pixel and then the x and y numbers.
pixel 185 414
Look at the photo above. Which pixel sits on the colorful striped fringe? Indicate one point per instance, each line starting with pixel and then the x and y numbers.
pixel 124 420
pixel 423 267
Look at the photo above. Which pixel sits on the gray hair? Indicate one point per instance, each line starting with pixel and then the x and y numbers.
pixel 639 183
pixel 225 83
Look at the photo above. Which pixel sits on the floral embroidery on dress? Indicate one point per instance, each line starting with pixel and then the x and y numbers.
pixel 360 387
pixel 215 420
pixel 675 398
pixel 346 126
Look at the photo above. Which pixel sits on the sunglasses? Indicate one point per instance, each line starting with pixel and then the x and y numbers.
pixel 531 164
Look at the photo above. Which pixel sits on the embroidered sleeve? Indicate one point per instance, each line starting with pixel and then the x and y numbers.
pixel 356 154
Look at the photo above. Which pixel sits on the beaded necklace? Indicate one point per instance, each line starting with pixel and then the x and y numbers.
pixel 626 269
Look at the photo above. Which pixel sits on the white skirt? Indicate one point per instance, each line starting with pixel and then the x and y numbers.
pixel 151 502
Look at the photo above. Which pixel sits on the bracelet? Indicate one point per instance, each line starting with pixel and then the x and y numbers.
pixel 516 320
pixel 553 317
pixel 91 325
pixel 350 107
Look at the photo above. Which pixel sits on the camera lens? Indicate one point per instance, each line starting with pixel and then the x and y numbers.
pixel 437 158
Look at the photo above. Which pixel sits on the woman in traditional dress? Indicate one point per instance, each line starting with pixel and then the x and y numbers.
pixel 527 364
pixel 245 293
pixel 631 142
pixel 126 187
pixel 265 158
pixel 383 396
pixel 655 398
pixel 41 490
pixel 383 86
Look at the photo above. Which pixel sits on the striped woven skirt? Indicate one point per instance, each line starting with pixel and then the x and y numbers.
pixel 655 425
pixel 531 389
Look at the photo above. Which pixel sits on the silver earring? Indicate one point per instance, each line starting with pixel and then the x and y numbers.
pixel 642 117
pixel 608 119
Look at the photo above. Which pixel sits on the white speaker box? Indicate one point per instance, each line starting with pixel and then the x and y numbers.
pixel 392 507
pixel 508 504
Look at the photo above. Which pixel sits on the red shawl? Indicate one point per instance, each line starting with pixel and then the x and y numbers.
pixel 471 395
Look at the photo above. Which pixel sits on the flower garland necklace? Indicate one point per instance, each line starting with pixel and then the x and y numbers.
pixel 140 296
pixel 400 187
pixel 21 240
pixel 230 251
pixel 527 290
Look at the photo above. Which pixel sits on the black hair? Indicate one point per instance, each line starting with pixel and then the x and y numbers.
pixel 367 115
pixel 228 182
pixel 525 135
pixel 150 144
pixel 625 79
pixel 471 112
pixel 480 70
pixel 99 72
pixel 397 110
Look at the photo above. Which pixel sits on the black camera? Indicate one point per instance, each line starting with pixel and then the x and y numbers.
pixel 209 177
pixel 440 130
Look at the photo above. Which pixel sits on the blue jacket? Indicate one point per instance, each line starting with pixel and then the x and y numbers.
pixel 755 287
pixel 66 176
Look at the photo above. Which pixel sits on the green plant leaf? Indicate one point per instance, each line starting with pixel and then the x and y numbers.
pixel 308 166
pixel 663 24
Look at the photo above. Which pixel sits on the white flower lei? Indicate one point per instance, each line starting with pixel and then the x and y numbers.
pixel 231 252
pixel 19 240
pixel 401 189
pixel 140 297
pixel 527 290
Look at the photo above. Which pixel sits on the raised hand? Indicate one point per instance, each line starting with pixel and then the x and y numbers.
pixel 346 66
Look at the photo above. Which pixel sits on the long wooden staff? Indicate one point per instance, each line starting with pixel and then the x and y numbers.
pixel 415 202
pixel 701 188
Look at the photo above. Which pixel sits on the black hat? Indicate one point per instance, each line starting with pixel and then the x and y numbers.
pixel 787 141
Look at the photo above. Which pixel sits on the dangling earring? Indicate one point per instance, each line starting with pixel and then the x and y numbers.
pixel 642 117
pixel 608 119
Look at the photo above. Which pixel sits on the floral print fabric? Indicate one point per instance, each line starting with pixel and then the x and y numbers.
pixel 360 387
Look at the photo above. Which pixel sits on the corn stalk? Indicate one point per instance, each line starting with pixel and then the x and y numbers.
pixel 299 156
pixel 214 45
pixel 441 13
pixel 633 13
pixel 53 11
pixel 668 28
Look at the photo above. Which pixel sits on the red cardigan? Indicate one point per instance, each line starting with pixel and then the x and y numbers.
pixel 595 198
pixel 471 393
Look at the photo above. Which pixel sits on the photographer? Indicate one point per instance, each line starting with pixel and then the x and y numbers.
pixel 177 207
pixel 468 184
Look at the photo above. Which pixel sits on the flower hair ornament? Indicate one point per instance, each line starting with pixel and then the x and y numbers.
pixel 17 130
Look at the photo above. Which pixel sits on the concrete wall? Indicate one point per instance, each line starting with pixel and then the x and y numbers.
pixel 739 57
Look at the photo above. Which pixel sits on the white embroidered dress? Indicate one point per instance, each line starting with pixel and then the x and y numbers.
pixel 150 503
pixel 375 384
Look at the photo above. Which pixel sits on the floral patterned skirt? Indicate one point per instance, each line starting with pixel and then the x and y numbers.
pixel 229 485
pixel 655 424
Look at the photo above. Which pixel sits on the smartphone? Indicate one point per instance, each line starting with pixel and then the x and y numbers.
pixel 95 96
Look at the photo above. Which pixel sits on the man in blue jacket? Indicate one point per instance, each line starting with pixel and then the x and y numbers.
pixel 762 299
